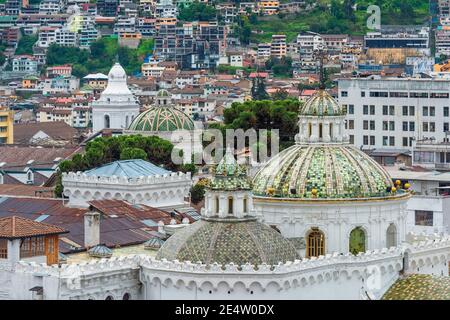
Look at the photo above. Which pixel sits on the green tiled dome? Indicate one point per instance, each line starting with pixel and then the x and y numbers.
pixel 229 175
pixel 238 241
pixel 334 171
pixel 162 118
pixel 322 104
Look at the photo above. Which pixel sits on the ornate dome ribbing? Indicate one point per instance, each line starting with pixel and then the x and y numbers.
pixel 334 171
pixel 229 175
pixel 162 118
pixel 238 242
pixel 322 104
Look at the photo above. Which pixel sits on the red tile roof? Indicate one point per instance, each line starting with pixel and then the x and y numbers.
pixel 15 227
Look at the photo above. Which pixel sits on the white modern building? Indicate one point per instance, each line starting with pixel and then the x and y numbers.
pixel 395 112
pixel 117 107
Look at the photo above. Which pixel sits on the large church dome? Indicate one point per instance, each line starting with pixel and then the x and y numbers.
pixel 332 171
pixel 322 164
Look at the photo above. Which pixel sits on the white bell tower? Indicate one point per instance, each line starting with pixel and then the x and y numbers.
pixel 117 107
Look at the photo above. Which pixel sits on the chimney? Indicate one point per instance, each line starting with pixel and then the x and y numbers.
pixel 91 229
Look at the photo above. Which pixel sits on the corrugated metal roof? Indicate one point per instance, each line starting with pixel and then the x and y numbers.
pixel 127 168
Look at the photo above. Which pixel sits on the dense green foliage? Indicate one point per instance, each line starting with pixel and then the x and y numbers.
pixel 243 29
pixel 337 16
pixel 197 11
pixel 105 150
pixel 25 45
pixel 101 57
pixel 280 67
pixel 259 89
pixel 2 56
pixel 197 193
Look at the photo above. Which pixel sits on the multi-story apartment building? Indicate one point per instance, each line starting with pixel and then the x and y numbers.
pixel 66 38
pixel 269 7
pixel 107 8
pixel 146 26
pixel 12 7
pixel 263 51
pixel 24 63
pixel 6 126
pixel 88 35
pixel 442 40
pixel 10 36
pixel 125 25
pixel 308 42
pixel 228 11
pixel 395 112
pixel 444 8
pixel 407 37
pixel 50 7
pixel 47 36
pixel 278 47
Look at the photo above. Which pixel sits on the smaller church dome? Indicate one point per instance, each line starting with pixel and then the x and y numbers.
pixel 100 251
pixel 117 82
pixel 322 104
pixel 162 118
pixel 117 72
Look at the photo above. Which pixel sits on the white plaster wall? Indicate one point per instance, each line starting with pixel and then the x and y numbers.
pixel 336 220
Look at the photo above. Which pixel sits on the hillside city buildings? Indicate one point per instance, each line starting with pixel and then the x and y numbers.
pixel 355 202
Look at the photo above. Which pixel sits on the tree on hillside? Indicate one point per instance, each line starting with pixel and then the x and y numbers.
pixel 25 45
pixel 259 89
pixel 197 11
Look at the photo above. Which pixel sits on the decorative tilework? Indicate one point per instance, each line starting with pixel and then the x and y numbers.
pixel 162 118
pixel 225 242
pixel 335 171
pixel 322 104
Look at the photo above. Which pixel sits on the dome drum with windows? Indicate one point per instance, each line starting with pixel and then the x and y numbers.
pixel 228 231
pixel 322 164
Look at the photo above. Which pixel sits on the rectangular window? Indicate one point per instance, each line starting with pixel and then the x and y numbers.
pixel 425 111
pixel 446 112
pixel 378 94
pixel 392 125
pixel 385 141
pixel 385 110
pixel 392 110
pixel 439 95
pixel 3 249
pixel 418 95
pixel 344 94
pixel 365 125
pixel 365 140
pixel 412 111
pixel 392 141
pixel 425 127
pixel 405 125
pixel 351 124
pixel 372 140
pixel 365 109
pixel 432 127
pixel 398 94
pixel 446 126
pixel 372 110
pixel 405 110
pixel 412 126
pixel 424 218
pixel 432 111
pixel 352 139
pixel 363 94
pixel 351 109
pixel 372 124
pixel 385 126
pixel 405 141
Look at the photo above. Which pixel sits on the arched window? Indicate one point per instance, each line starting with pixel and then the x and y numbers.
pixel 391 236
pixel 357 241
pixel 315 245
pixel 245 205
pixel 126 296
pixel 109 298
pixel 107 122
pixel 216 209
pixel 230 205
pixel 29 176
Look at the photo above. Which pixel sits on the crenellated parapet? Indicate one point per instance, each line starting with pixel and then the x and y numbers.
pixel 80 177
pixel 155 190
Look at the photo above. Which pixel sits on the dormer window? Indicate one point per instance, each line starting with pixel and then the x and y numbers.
pixel 29 177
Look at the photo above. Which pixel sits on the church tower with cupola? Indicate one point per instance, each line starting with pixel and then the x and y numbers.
pixel 117 107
